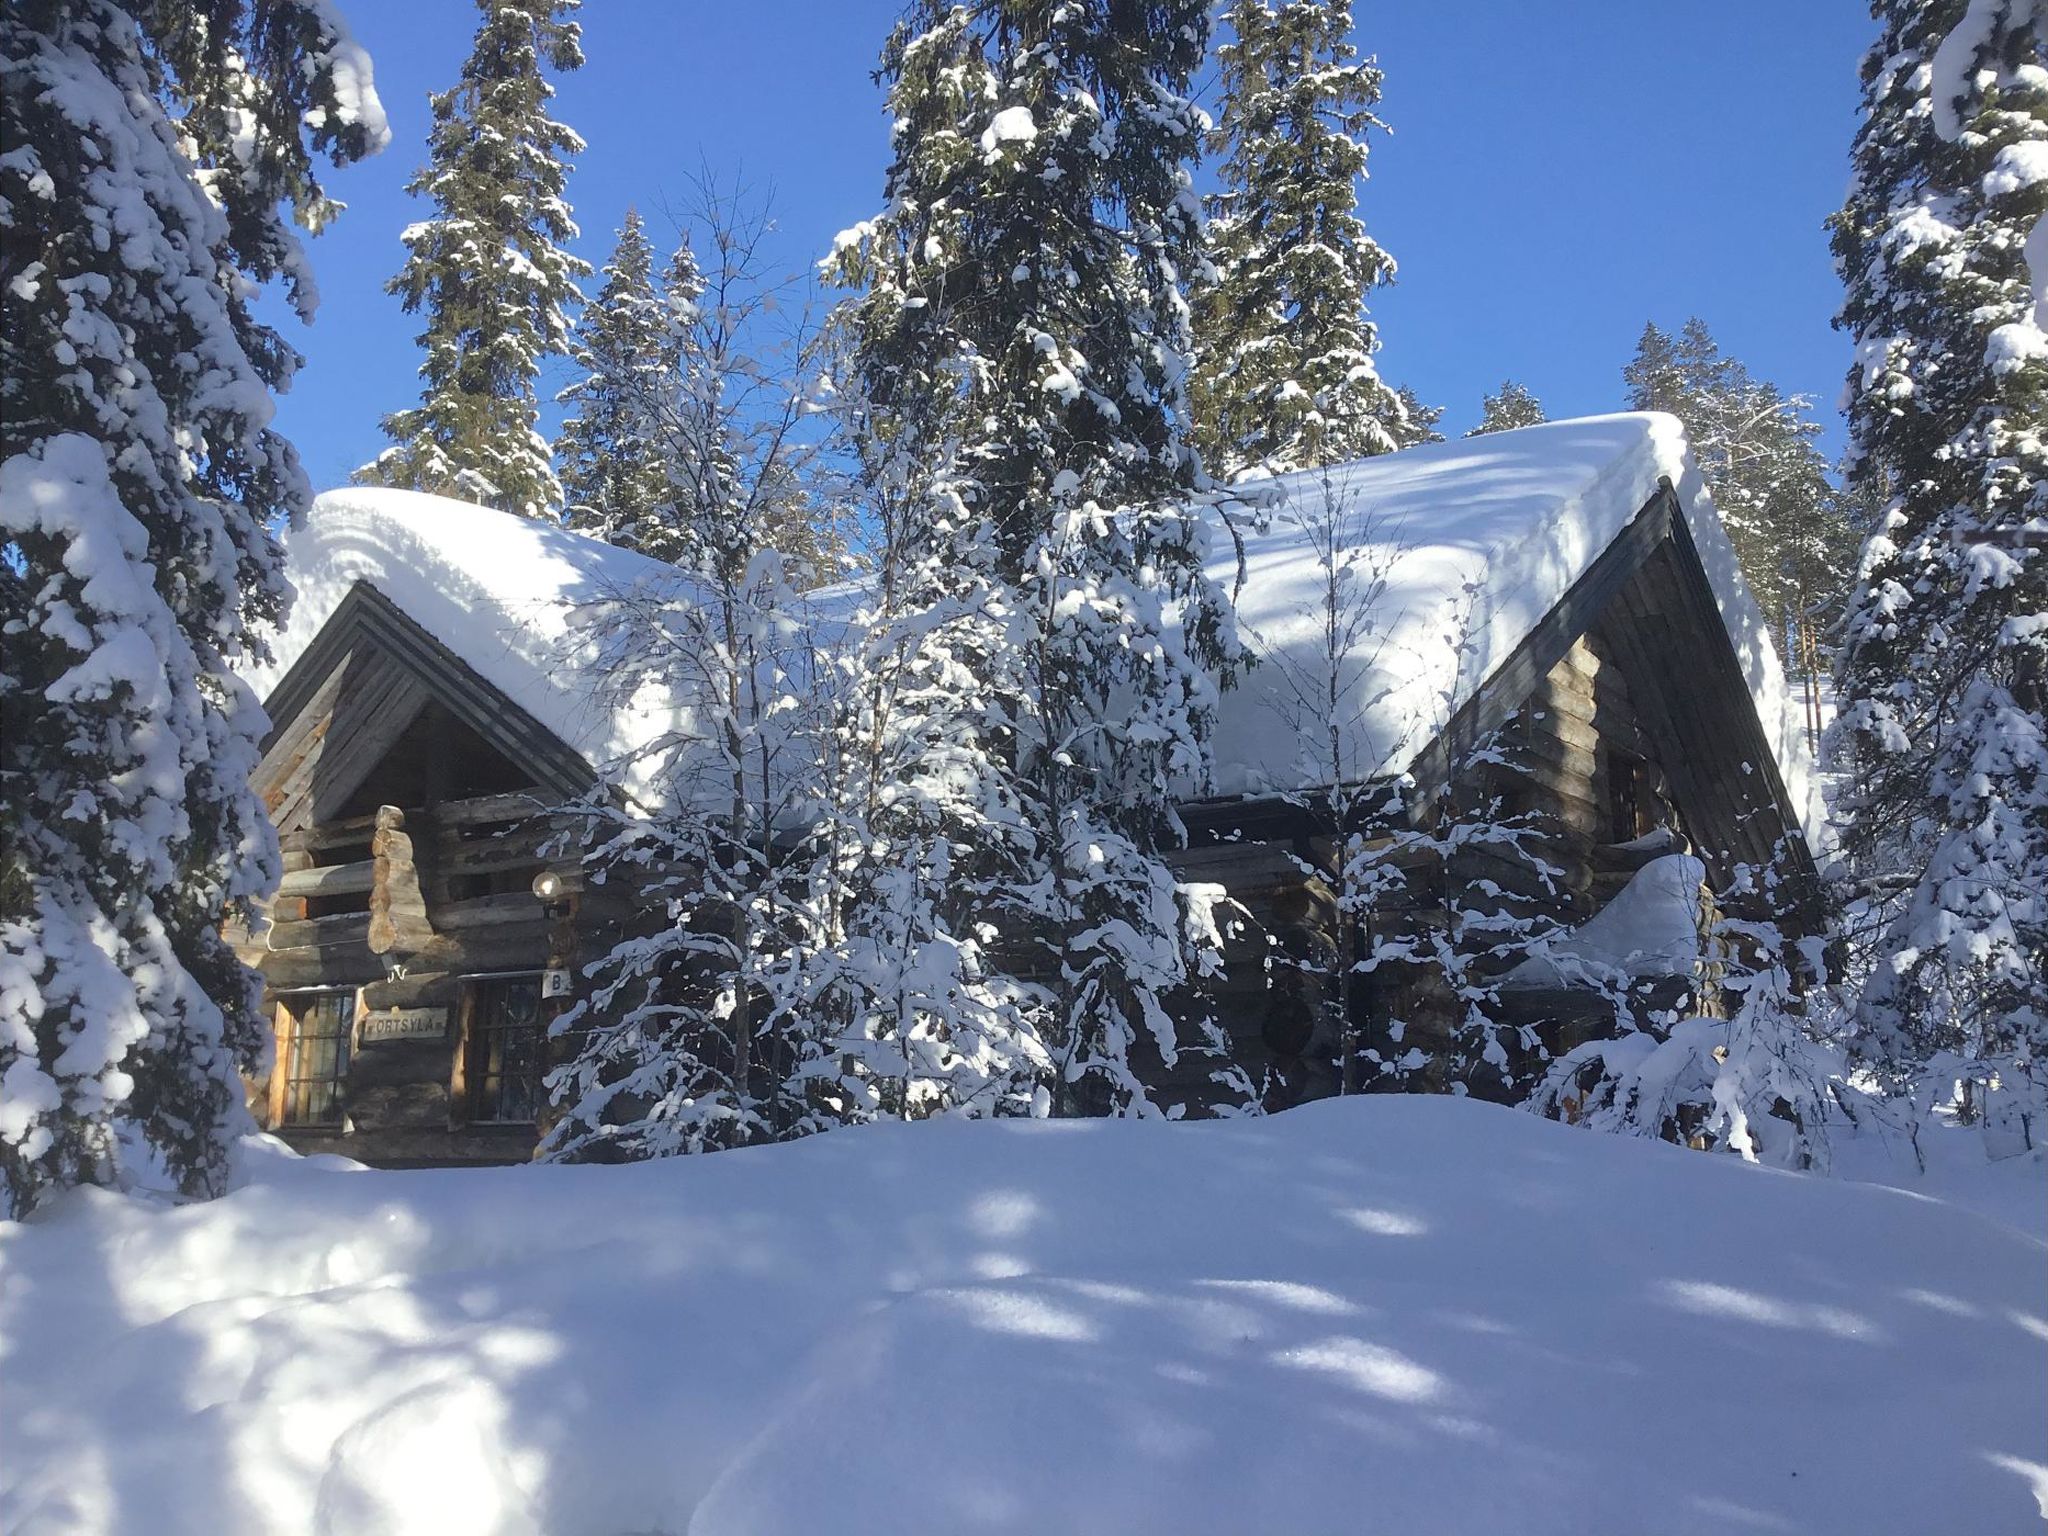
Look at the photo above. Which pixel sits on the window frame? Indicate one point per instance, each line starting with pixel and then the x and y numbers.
pixel 471 1075
pixel 291 1036
pixel 1627 778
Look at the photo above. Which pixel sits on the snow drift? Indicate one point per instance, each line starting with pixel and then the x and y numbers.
pixel 1413 1315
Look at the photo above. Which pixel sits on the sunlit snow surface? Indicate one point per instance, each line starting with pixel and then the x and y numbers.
pixel 1472 543
pixel 1404 1315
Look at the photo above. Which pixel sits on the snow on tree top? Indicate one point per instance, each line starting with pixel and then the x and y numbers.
pixel 1469 545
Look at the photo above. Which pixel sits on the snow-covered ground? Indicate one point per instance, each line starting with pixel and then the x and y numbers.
pixel 1396 1314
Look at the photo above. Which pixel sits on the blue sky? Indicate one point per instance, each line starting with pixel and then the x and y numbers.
pixel 1559 172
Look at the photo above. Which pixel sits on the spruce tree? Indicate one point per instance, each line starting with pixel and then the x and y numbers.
pixel 1285 377
pixel 701 1034
pixel 612 462
pixel 152 155
pixel 1944 669
pixel 1758 449
pixel 1409 422
pixel 488 269
pixel 1023 316
pixel 1513 407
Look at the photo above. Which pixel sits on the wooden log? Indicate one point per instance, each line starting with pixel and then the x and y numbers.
pixel 1582 815
pixel 398 908
pixel 344 928
pixel 329 879
pixel 1239 866
pixel 1563 761
pixel 479 810
pixel 1567 730
pixel 1581 660
pixel 479 859
pixel 505 909
pixel 1516 877
pixel 330 834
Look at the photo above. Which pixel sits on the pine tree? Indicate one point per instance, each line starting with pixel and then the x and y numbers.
pixel 149 151
pixel 1023 316
pixel 1285 377
pixel 1513 407
pixel 924 839
pixel 614 472
pixel 701 1034
pixel 1758 450
pixel 489 271
pixel 1409 422
pixel 1944 668
pixel 694 1040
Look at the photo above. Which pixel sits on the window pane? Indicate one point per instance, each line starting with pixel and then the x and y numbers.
pixel 506 1050
pixel 316 1063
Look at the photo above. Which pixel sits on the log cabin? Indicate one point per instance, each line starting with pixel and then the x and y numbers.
pixel 1546 624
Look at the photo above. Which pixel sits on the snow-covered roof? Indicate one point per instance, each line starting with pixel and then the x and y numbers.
pixel 1470 544
pixel 513 598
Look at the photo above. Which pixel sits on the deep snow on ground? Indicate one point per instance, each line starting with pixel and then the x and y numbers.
pixel 1392 1314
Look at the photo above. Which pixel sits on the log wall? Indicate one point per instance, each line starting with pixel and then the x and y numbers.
pixel 1575 765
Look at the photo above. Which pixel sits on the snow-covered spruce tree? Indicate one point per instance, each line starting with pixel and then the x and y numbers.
pixel 1944 667
pixel 1758 450
pixel 1513 407
pixel 614 473
pixel 1411 423
pixel 923 842
pixel 935 861
pixel 489 271
pixel 151 153
pixel 1285 377
pixel 1759 1081
pixel 1024 309
pixel 699 1035
pixel 693 1039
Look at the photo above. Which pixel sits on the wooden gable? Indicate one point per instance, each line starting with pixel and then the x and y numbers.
pixel 374 681
pixel 1646 612
pixel 1647 608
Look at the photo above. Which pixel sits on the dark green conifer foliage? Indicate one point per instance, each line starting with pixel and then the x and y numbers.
pixel 610 452
pixel 1944 671
pixel 488 269
pixel 1024 330
pixel 155 160
pixel 1408 421
pixel 1758 449
pixel 1285 376
pixel 1513 407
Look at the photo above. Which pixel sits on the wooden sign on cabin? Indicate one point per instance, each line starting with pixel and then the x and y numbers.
pixel 404 1024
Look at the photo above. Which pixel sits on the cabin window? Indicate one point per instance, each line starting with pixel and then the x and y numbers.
pixel 1624 797
pixel 319 1029
pixel 507 1050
